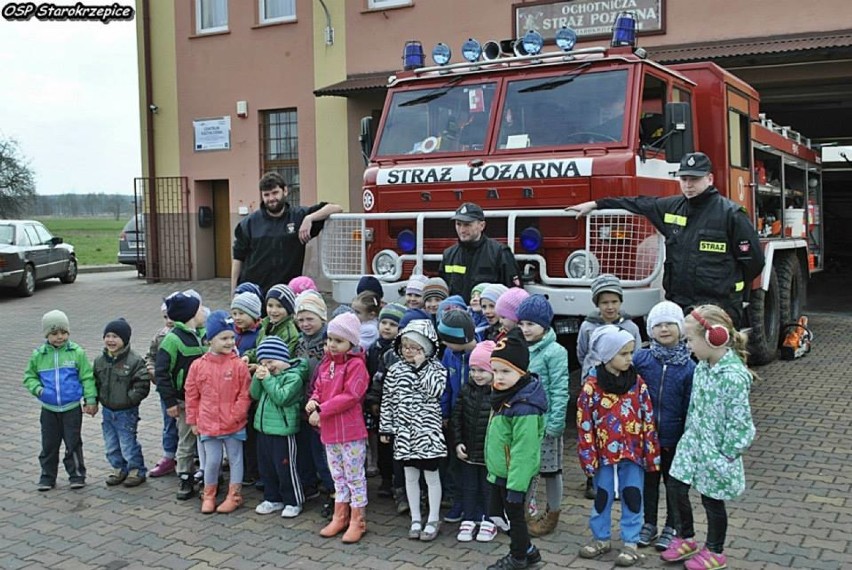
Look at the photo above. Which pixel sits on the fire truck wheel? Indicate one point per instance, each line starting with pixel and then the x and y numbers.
pixel 764 316
pixel 792 288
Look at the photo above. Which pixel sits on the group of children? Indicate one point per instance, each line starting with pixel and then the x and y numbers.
pixel 470 399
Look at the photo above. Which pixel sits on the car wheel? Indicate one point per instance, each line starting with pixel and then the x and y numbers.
pixel 28 282
pixel 71 274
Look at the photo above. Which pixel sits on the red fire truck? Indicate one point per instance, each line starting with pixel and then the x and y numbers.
pixel 527 134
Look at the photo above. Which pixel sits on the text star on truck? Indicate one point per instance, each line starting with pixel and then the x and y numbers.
pixel 524 136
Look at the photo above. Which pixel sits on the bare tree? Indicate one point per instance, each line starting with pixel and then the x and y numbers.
pixel 17 180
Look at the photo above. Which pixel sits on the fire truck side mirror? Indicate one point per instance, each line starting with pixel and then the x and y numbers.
pixel 366 138
pixel 678 138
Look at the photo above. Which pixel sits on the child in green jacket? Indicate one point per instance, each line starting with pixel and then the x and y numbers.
pixel 278 388
pixel 59 375
pixel 279 321
pixel 513 443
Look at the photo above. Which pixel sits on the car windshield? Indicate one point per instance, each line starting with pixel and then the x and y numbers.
pixel 7 234
pixel 442 118
pixel 574 108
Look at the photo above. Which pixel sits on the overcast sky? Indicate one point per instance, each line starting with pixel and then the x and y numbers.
pixel 69 96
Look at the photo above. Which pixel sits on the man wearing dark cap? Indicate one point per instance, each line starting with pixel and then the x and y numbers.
pixel 712 249
pixel 476 258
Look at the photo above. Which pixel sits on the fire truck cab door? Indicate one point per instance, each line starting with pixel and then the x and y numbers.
pixel 739 151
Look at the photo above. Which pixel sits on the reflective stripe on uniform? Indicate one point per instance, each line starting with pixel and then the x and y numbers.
pixel 460 269
pixel 739 286
pixel 674 219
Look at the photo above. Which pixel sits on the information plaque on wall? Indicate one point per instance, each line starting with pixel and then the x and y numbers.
pixel 590 19
pixel 212 134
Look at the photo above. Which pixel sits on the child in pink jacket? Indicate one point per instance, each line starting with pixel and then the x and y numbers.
pixel 336 408
pixel 217 403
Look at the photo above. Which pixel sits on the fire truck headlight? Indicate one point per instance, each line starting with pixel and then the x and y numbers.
pixel 471 50
pixel 406 241
pixel 385 262
pixel 566 38
pixel 576 265
pixel 531 239
pixel 532 42
pixel 441 54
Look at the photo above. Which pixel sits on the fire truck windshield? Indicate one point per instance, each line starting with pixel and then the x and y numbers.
pixel 562 110
pixel 445 119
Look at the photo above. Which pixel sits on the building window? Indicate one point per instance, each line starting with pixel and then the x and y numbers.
pixel 382 4
pixel 273 11
pixel 211 16
pixel 280 147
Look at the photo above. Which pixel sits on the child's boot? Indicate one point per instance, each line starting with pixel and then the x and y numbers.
pixel 357 526
pixel 208 499
pixel 338 521
pixel 234 499
pixel 545 524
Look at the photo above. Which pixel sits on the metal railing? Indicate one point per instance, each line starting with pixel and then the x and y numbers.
pixel 621 243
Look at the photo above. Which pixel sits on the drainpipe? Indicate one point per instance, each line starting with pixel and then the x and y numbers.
pixel 152 272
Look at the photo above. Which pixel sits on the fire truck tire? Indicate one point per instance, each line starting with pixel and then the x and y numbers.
pixel 792 288
pixel 764 316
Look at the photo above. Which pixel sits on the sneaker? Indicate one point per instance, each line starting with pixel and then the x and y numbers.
pixel 116 477
pixel 680 549
pixel 533 555
pixel 291 511
pixel 45 486
pixel 77 484
pixel 186 487
pixel 401 502
pixel 595 548
pixel 455 513
pixel 466 530
pixel 311 493
pixel 666 537
pixel 509 562
pixel 502 523
pixel 706 560
pixel 134 478
pixel 590 492
pixel 268 507
pixel 487 531
pixel 647 534
pixel 165 466
pixel 327 509
pixel 628 556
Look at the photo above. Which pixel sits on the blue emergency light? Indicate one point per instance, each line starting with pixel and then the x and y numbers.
pixel 566 38
pixel 471 50
pixel 412 55
pixel 532 42
pixel 531 239
pixel 441 54
pixel 624 30
pixel 406 241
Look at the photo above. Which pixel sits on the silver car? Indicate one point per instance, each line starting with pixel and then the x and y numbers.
pixel 131 243
pixel 30 253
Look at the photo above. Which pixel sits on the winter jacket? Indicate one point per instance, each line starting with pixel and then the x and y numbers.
pixel 458 373
pixel 670 387
pixel 712 249
pixel 154 347
pixel 493 332
pixel 719 429
pixel 612 428
pixel 122 380
pixel 470 420
pixel 269 247
pixel 279 400
pixel 594 320
pixel 549 361
pixel 411 410
pixel 311 349
pixel 285 329
pixel 246 339
pixel 467 264
pixel 513 439
pixel 60 377
pixel 380 358
pixel 180 347
pixel 341 383
pixel 217 394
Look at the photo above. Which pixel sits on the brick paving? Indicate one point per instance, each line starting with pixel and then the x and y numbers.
pixel 797 511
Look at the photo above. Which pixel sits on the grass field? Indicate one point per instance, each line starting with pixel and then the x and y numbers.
pixel 95 240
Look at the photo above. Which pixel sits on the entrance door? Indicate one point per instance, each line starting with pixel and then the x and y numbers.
pixel 223 233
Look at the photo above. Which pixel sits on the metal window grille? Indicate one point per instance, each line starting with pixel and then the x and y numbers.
pixel 165 205
pixel 342 247
pixel 279 144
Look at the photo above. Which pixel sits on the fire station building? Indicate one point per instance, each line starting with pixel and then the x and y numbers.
pixel 230 90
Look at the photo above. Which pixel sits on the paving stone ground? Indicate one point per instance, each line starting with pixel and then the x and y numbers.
pixel 797 511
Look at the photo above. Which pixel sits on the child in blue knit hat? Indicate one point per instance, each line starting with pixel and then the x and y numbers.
pixel 549 360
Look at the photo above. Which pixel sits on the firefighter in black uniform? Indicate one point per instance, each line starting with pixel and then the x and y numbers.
pixel 476 258
pixel 712 250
